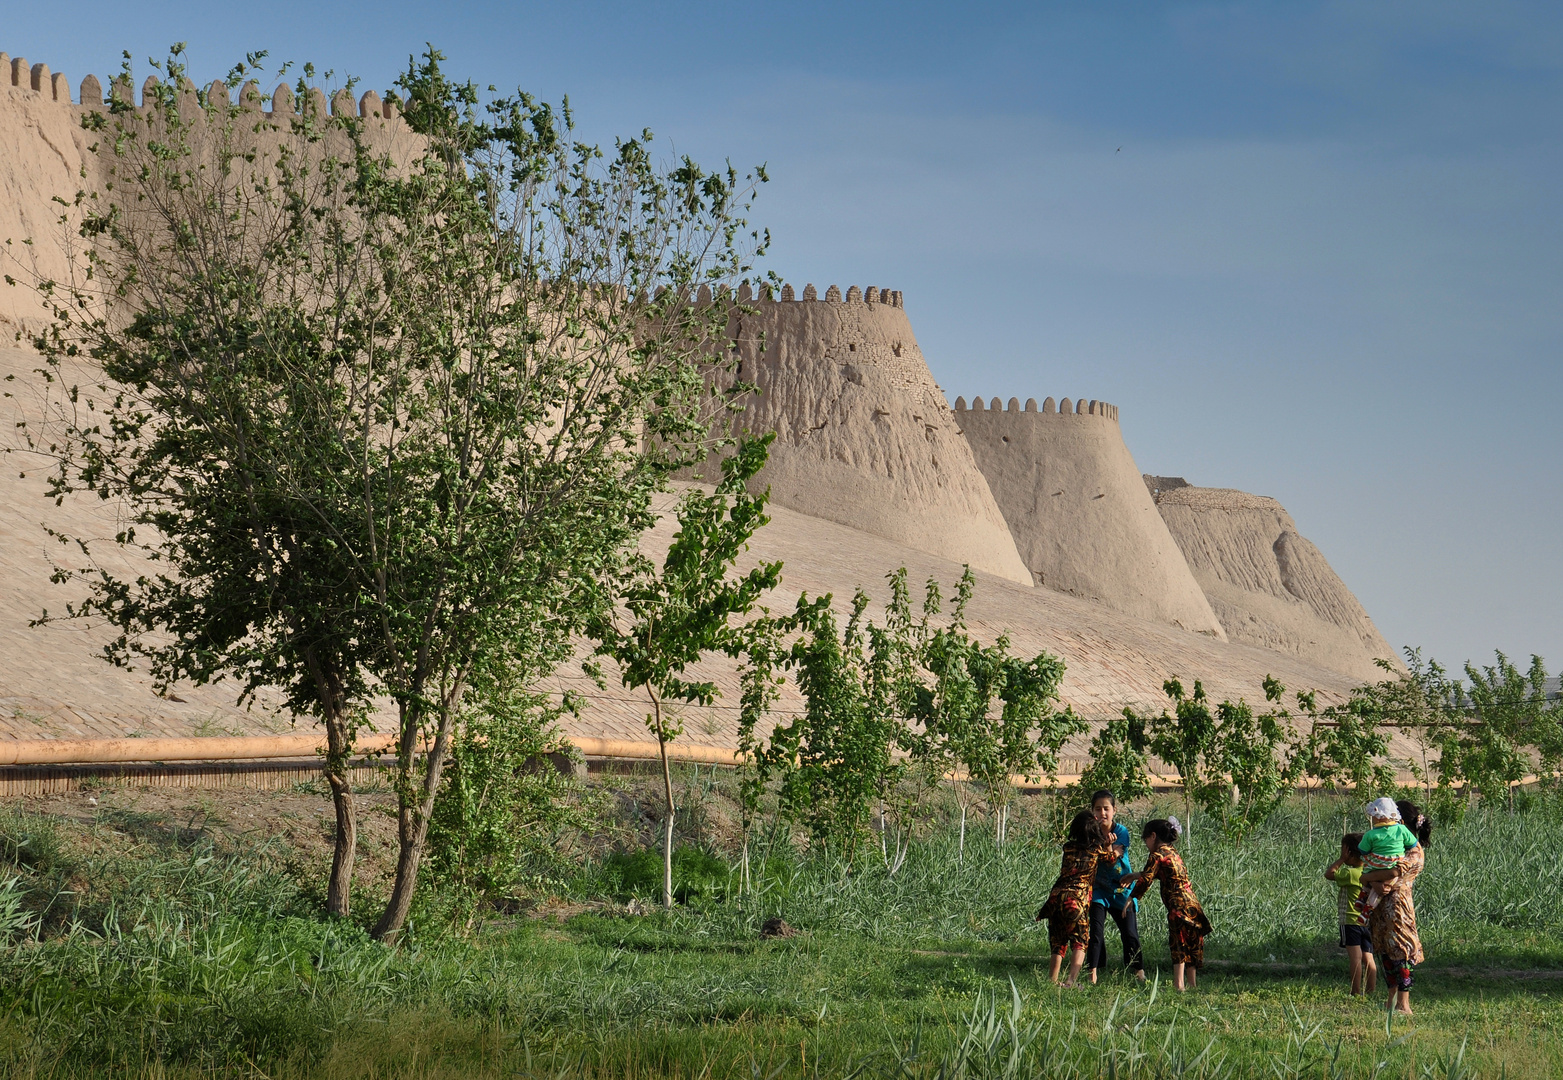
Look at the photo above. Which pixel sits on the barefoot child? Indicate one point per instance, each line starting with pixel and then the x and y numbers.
pixel 1382 847
pixel 1186 921
pixel 1346 872
pixel 1068 907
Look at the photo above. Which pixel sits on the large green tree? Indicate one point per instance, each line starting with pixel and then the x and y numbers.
pixel 388 425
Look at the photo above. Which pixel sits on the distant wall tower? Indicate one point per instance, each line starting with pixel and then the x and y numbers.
pixel 1267 584
pixel 1080 514
pixel 864 436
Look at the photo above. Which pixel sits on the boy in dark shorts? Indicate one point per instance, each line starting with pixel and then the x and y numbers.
pixel 1346 873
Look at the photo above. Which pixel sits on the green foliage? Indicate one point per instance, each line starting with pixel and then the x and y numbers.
pixel 501 801
pixel 1245 780
pixel 834 763
pixel 683 613
pixel 965 683
pixel 1184 738
pixel 882 699
pixel 697 875
pixel 211 967
pixel 1118 761
pixel 1501 728
pixel 381 426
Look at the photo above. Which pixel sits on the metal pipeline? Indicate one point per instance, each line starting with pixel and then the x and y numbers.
pixel 251 748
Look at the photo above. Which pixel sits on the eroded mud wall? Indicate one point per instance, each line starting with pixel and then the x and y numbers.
pixel 1080 514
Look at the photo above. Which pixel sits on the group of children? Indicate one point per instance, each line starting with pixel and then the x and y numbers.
pixel 1095 881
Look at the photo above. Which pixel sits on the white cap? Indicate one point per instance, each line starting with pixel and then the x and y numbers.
pixel 1384 808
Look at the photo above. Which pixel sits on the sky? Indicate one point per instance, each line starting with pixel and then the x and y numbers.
pixel 1311 250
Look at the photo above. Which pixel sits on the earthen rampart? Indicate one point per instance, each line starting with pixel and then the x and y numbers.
pixel 1268 584
pixel 1080 514
pixel 1035 494
pixel 53 150
pixel 864 436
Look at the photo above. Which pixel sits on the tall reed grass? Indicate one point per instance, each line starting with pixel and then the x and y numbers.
pixel 168 959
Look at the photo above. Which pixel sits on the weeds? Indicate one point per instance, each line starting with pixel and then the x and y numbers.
pixel 139 951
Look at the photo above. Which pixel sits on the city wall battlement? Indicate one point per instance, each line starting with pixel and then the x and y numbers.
pixel 1062 407
pixel 871 468
pixel 56 87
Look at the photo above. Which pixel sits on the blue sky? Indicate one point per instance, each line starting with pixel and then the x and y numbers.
pixel 1312 251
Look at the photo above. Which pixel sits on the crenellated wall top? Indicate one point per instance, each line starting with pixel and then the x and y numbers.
pixel 1062 407
pixel 54 86
pixel 765 292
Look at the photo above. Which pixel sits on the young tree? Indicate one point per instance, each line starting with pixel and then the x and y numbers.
pixel 501 802
pixel 1118 760
pixel 683 613
pixel 838 760
pixel 392 427
pixel 1184 738
pixel 883 698
pixel 1502 728
pixel 983 711
pixel 1245 777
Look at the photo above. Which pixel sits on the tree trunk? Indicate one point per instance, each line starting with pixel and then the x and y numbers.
pixel 338 750
pixel 960 852
pixel 412 819
pixel 667 789
pixel 339 890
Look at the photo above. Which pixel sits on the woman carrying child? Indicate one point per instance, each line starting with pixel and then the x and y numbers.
pixel 1392 922
pixel 1383 847
pixel 1186 921
pixel 1068 906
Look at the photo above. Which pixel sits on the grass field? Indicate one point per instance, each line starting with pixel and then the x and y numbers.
pixel 182 952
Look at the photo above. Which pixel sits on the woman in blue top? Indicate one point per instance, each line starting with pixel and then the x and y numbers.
pixel 1108 897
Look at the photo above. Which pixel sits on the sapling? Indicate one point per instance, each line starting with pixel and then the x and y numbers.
pixel 682 613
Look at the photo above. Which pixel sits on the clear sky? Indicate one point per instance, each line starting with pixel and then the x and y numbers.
pixel 1313 251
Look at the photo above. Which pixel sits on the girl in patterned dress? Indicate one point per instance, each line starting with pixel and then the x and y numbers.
pixel 1068 907
pixel 1186 921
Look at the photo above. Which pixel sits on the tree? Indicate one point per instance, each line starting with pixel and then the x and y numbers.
pixel 1118 760
pixel 1184 738
pixel 838 759
pixel 501 801
pixel 983 711
pixel 1502 728
pixel 882 698
pixel 1351 745
pixel 682 614
pixel 391 428
pixel 1245 779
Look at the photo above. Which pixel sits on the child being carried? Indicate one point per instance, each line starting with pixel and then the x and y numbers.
pixel 1382 847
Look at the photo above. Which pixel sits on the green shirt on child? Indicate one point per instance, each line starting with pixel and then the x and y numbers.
pixel 1349 878
pixel 1387 841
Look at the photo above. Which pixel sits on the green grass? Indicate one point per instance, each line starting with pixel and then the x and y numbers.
pixel 139 952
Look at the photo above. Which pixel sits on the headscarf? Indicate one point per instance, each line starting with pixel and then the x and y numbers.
pixel 1384 808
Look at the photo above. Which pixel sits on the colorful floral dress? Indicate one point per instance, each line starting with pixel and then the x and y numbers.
pixel 1186 921
pixel 1068 907
pixel 1393 923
